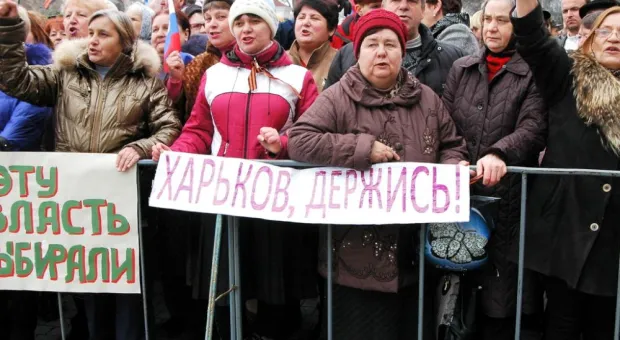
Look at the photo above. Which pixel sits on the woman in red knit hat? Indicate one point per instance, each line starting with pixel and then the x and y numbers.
pixel 378 112
pixel 499 111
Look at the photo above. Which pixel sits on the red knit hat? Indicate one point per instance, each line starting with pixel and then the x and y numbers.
pixel 379 18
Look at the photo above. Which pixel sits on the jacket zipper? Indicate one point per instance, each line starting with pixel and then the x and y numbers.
pixel 97 117
pixel 247 120
pixel 247 126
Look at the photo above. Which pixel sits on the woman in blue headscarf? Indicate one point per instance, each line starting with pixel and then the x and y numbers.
pixel 142 19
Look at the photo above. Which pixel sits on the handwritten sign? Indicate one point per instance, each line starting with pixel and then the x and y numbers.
pixel 68 223
pixel 394 193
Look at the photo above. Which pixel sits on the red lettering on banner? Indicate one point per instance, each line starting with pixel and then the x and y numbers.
pixel 443 188
pixel 414 198
pixel 6 182
pixel 349 190
pixel 240 185
pixel 7 266
pixel 118 224
pixel 23 171
pixel 281 190
pixel 370 187
pixel 322 205
pixel 203 183
pixel 267 170
pixel 23 263
pixel 333 188
pixel 4 222
pixel 392 193
pixel 50 185
pixel 169 173
pixel 224 182
pixel 95 206
pixel 189 169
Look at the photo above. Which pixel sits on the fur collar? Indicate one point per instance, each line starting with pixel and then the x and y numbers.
pixel 144 58
pixel 597 93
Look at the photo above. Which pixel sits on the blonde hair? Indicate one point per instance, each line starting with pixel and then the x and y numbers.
pixel 23 14
pixel 122 23
pixel 476 20
pixel 587 45
pixel 91 5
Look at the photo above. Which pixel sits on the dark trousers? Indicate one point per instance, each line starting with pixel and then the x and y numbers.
pixel 114 316
pixel 18 314
pixel 572 315
pixel 504 328
pixel 371 315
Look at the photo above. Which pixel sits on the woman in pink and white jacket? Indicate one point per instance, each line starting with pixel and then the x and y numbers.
pixel 245 101
pixel 243 109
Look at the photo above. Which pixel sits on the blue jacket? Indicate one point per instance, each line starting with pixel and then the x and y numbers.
pixel 21 123
pixel 286 34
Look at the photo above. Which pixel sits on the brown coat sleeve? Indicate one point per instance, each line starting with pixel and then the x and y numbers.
pixel 163 121
pixel 530 132
pixel 37 85
pixel 319 137
pixel 452 147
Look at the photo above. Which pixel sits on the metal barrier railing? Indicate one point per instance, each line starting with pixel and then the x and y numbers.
pixel 234 293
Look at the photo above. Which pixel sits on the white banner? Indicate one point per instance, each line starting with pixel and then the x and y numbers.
pixel 68 223
pixel 391 193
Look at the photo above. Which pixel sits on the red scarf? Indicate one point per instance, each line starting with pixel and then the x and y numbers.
pixel 494 64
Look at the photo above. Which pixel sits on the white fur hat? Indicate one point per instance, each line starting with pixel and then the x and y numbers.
pixel 265 9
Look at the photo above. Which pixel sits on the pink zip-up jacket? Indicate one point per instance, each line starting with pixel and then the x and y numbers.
pixel 227 117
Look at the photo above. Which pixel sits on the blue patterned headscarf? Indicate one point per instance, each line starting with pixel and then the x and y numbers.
pixel 147 20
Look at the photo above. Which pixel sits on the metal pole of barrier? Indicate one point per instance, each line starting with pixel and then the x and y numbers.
pixel 232 299
pixel 330 269
pixel 215 261
pixel 145 304
pixel 238 305
pixel 421 282
pixel 617 325
pixel 521 256
pixel 61 317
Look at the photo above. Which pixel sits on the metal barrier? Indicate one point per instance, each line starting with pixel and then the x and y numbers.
pixel 234 293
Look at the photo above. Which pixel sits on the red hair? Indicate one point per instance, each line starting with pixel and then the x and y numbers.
pixel 55 24
pixel 37 30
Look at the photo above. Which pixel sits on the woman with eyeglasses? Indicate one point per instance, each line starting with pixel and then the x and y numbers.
pixel 573 235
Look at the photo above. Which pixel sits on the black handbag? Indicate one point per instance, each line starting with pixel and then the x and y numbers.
pixel 457 304
pixel 457 296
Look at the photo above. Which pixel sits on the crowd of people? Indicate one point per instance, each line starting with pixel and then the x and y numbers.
pixel 396 81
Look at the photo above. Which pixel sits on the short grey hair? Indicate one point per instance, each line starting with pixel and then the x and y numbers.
pixel 122 23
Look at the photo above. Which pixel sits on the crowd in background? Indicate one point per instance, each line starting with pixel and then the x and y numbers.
pixel 396 80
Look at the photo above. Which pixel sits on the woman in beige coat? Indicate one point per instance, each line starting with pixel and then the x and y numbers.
pixel 315 24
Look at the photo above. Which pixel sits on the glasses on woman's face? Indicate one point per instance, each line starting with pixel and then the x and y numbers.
pixel 605 33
